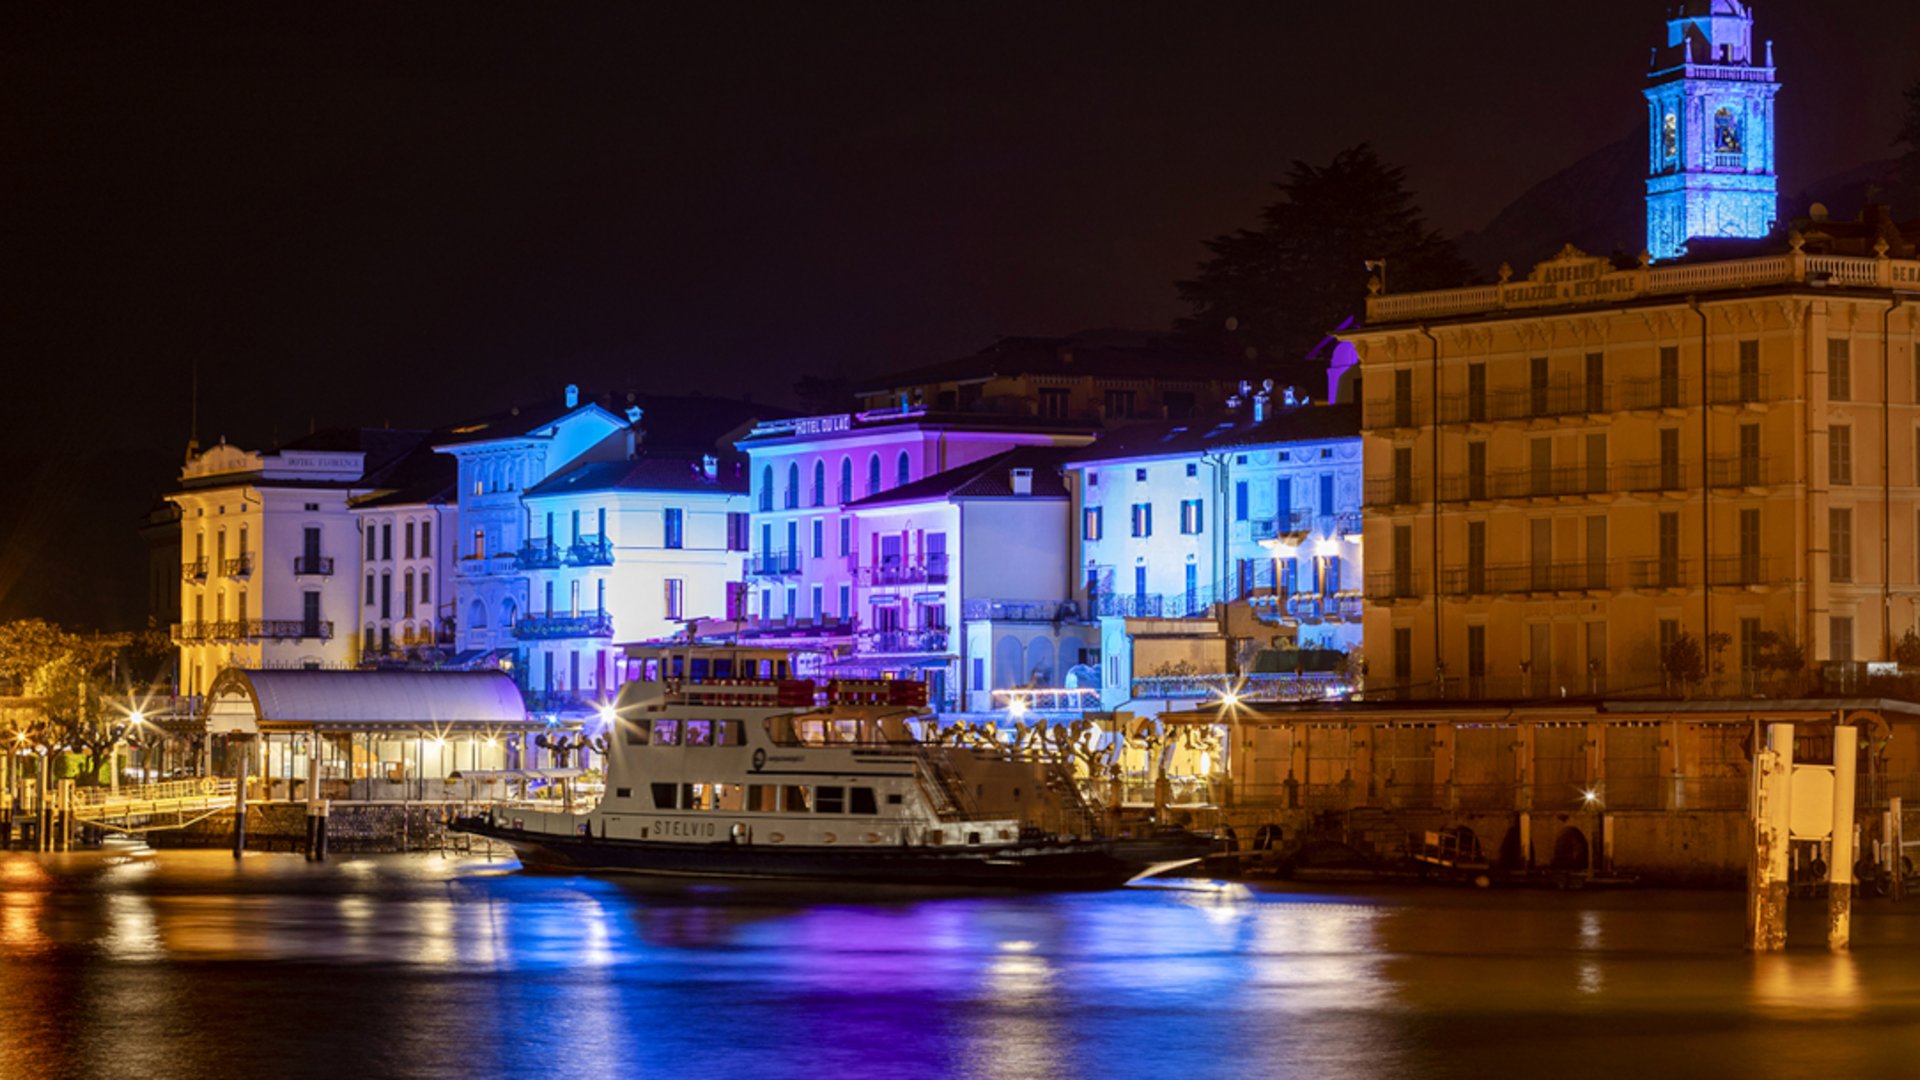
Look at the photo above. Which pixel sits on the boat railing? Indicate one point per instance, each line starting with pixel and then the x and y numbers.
pixel 941 783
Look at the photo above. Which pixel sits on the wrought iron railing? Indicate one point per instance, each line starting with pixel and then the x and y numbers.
pixel 596 624
pixel 930 571
pixel 541 554
pixel 772 563
pixel 252 630
pixel 237 567
pixel 1020 610
pixel 196 570
pixel 591 550
pixel 898 642
pixel 1527 578
pixel 313 565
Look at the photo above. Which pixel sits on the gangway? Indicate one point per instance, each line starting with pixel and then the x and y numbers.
pixel 171 804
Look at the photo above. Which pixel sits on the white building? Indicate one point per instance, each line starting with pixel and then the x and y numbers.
pixel 963 580
pixel 629 543
pixel 271 547
pixel 1260 508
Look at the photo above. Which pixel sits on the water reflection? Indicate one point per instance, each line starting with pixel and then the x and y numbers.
pixel 188 963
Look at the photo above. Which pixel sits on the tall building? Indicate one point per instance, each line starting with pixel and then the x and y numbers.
pixel 1710 130
pixel 1567 473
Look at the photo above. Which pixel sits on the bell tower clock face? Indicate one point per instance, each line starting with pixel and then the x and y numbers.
pixel 1670 136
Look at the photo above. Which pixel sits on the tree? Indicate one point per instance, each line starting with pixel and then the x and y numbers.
pixel 1683 661
pixel 1909 137
pixel 27 645
pixel 1280 288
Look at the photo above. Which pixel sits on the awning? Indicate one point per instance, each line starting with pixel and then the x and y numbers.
pixel 429 704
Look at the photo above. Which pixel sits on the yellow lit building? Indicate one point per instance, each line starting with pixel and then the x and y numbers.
pixel 1566 472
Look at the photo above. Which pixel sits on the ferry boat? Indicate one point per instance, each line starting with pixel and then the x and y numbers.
pixel 719 763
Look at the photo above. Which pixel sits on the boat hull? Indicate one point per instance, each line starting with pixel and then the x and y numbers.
pixel 1045 865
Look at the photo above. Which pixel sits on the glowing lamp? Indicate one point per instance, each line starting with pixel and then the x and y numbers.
pixel 607 714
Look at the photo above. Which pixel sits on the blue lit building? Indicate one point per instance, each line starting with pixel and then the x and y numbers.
pixel 1710 130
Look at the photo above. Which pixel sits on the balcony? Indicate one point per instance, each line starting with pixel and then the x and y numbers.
pixel 592 550
pixel 312 566
pixel 901 642
pixel 1653 477
pixel 1568 481
pixel 772 564
pixel 1739 388
pixel 1747 571
pixel 1639 395
pixel 1744 472
pixel 541 554
pixel 194 571
pixel 1525 578
pixel 1047 611
pixel 252 630
pixel 240 567
pixel 596 624
pixel 1349 524
pixel 1388 491
pixel 1674 573
pixel 1558 398
pixel 1291 523
pixel 1386 586
pixel 930 571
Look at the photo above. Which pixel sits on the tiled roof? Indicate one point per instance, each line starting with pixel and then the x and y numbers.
pixel 1298 423
pixel 652 471
pixel 984 479
pixel 1112 354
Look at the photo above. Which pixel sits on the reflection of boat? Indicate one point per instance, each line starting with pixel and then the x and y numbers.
pixel 720 764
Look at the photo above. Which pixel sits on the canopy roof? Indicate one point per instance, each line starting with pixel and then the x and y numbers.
pixel 433 702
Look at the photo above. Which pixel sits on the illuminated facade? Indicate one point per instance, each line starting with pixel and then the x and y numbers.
pixel 1710 130
pixel 1260 508
pixel 1565 474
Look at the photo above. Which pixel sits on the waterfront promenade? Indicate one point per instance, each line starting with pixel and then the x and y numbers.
pixel 128 964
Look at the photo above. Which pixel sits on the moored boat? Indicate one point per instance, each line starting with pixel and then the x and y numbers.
pixel 720 764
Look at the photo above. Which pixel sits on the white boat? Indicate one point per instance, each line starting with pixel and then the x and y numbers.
pixel 720 764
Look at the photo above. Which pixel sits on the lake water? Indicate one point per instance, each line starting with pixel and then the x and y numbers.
pixel 185 964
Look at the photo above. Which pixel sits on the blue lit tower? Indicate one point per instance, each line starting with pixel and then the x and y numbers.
pixel 1710 144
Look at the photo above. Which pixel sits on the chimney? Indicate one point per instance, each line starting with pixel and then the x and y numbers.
pixel 573 396
pixel 634 413
pixel 710 466
pixel 1022 481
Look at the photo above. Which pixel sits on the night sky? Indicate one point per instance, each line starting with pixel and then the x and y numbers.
pixel 404 213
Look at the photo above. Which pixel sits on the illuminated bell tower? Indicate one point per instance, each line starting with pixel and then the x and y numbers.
pixel 1710 142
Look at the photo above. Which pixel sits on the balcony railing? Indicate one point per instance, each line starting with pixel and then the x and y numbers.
pixel 313 565
pixel 1571 480
pixel 195 570
pixel 1348 524
pixel 1653 476
pixel 930 571
pixel 1673 573
pixel 1655 393
pixel 1406 584
pixel 1738 388
pixel 596 624
pixel 240 567
pixel 1560 397
pixel 1746 472
pixel 901 642
pixel 541 554
pixel 1395 491
pixel 1020 610
pixel 1516 578
pixel 1747 570
pixel 772 564
pixel 1286 523
pixel 252 630
pixel 591 550
pixel 1254 686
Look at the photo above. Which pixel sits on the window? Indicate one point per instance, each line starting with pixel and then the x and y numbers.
pixel 846 480
pixel 1596 382
pixel 1537 386
pixel 1192 521
pixel 1476 392
pixel 426 539
pixel 819 538
pixel 1840 544
pixel 1240 500
pixel 1748 388
pixel 1840 454
pixel 1090 523
pixel 676 591
pixel 792 499
pixel 1669 459
pixel 1839 369
pixel 819 610
pixel 1193 469
pixel 1093 479
pixel 409 546
pixel 675 527
pixel 369 588
pixel 477 616
pixel 902 469
pixel 1726 134
pixel 1402 654
pixel 479 543
pixel 1667 536
pixel 1053 402
pixel 1143 519
pixel 406 594
pixel 829 799
pixel 1326 495
pixel 819 483
pixel 1402 560
pixel 372 542
pixel 846 602
pixel 766 487
pixel 873 474
pixel 1119 404
pixel 1403 398
pixel 386 540
pixel 1140 476
pixel 860 800
pixel 846 536
pixel 426 586
pixel 1403 474
pixel 1669 376
pixel 1840 634
pixel 739 531
pixel 1476 470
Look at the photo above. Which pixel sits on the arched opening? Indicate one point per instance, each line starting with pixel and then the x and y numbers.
pixel 819 483
pixel 1570 851
pixel 846 479
pixel 1007 656
pixel 873 474
pixel 477 616
pixel 1039 667
pixel 903 470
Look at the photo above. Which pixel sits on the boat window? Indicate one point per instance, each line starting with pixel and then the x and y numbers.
pixel 730 733
pixel 862 802
pixel 677 666
pixel 662 796
pixel 793 799
pixel 700 666
pixel 636 733
pixel 652 670
pixel 729 797
pixel 781 668
pixel 723 667
pixel 893 799
pixel 694 797
pixel 766 669
pixel 699 733
pixel 829 799
pixel 623 793
pixel 666 733
pixel 845 731
pixel 762 798
pixel 812 732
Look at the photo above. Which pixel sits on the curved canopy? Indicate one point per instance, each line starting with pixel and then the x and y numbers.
pixel 246 701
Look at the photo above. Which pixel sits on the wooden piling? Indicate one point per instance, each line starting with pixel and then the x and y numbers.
pixel 240 807
pixel 1840 865
pixel 1767 861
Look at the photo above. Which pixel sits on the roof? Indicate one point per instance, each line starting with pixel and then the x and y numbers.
pixel 648 472
pixel 859 423
pixel 249 700
pixel 1283 424
pixel 1111 354
pixel 984 479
